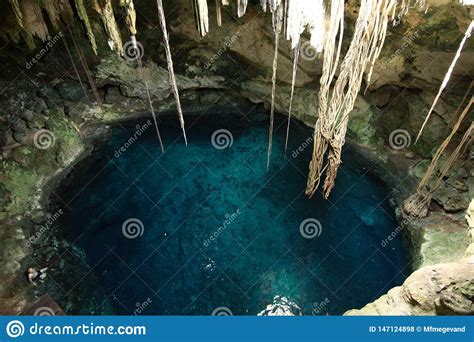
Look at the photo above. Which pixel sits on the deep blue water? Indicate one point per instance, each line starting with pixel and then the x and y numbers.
pixel 184 197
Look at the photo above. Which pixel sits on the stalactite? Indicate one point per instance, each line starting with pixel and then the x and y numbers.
pixel 277 25
pixel 305 14
pixel 130 15
pixel 174 86
pixel 106 11
pixel 296 53
pixel 218 13
pixel 447 77
pixel 82 13
pixel 201 13
pixel 241 7
pixel 17 11
pixel 34 23
pixel 58 10
pixel 50 7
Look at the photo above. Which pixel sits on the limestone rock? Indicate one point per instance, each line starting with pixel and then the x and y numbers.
pixel 443 289
pixel 451 199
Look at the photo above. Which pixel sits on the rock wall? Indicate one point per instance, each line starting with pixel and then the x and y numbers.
pixel 227 67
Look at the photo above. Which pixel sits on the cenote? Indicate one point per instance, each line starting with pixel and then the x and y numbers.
pixel 199 227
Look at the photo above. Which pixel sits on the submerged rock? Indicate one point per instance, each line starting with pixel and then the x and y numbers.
pixel 281 306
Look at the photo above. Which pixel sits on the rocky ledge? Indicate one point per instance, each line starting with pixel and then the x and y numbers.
pixel 439 289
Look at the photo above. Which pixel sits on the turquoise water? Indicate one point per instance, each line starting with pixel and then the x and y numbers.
pixel 214 229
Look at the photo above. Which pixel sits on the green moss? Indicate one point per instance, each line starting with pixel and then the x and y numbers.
pixel 21 183
pixel 31 166
pixel 108 116
pixel 68 143
pixel 362 130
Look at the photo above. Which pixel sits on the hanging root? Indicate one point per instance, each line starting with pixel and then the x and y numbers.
pixel 296 53
pixel 417 205
pixel 147 89
pixel 446 77
pixel 201 14
pixel 277 21
pixel 218 13
pixel 241 7
pixel 334 110
pixel 174 86
pixel 86 69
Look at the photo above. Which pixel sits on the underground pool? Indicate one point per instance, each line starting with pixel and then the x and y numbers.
pixel 205 227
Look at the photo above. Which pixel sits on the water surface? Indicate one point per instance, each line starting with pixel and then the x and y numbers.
pixel 218 230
